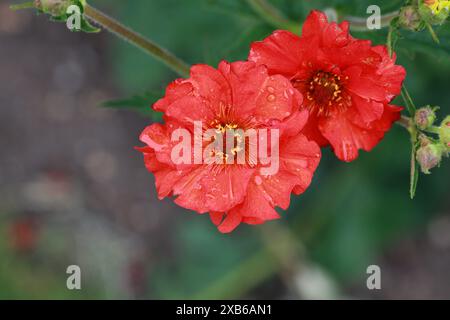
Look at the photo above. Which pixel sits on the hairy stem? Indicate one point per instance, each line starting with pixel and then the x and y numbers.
pixel 389 43
pixel 137 39
pixel 408 101
pixel 405 122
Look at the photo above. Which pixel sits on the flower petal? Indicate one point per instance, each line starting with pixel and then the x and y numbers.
pixel 347 138
pixel 280 52
pixel 231 221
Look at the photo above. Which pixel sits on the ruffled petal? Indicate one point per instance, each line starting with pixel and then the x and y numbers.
pixel 256 95
pixel 347 138
pixel 300 158
pixel 217 189
pixel 231 221
pixel 216 217
pixel 174 91
pixel 165 175
pixel 280 52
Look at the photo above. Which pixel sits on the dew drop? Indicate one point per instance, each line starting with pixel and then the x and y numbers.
pixel 258 180
pixel 271 98
pixel 270 89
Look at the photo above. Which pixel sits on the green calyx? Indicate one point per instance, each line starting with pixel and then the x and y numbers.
pixel 60 10
pixel 444 133
pixel 57 8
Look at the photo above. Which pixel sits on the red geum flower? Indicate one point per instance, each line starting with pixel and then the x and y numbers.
pixel 347 83
pixel 239 95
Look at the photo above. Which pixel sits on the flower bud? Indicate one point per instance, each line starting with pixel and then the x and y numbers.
pixel 55 8
pixel 429 156
pixel 434 12
pixel 444 133
pixel 424 117
pixel 409 18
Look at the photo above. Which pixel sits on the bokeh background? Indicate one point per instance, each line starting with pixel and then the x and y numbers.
pixel 74 191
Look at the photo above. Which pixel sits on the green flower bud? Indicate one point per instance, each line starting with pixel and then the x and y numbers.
pixel 444 133
pixel 424 117
pixel 409 18
pixel 57 8
pixel 429 157
pixel 434 12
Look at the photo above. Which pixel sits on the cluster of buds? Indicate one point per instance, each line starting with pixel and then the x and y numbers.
pixel 415 16
pixel 431 151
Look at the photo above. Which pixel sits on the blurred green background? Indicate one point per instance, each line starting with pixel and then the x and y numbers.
pixel 354 215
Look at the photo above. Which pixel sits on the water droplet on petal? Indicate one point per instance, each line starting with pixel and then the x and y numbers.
pixel 270 89
pixel 271 98
pixel 258 180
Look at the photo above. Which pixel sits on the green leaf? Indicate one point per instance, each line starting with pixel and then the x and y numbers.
pixel 137 103
pixel 87 27
pixel 414 178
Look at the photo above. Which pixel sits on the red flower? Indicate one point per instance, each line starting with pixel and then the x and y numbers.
pixel 347 83
pixel 239 95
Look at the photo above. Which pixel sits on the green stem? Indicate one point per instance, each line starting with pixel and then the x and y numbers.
pixel 273 16
pixel 405 122
pixel 389 43
pixel 408 101
pixel 432 33
pixel 138 40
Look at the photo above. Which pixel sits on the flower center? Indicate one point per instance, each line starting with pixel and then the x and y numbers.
pixel 224 131
pixel 324 92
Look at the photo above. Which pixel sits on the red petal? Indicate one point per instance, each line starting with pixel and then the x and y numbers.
pixel 208 188
pixel 259 95
pixel 257 204
pixel 347 137
pixel 174 91
pixel 364 86
pixel 294 124
pixel 189 109
pixel 312 132
pixel 300 158
pixel 280 52
pixel 231 221
pixel 216 217
pixel 314 23
pixel 368 110
pixel 210 84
